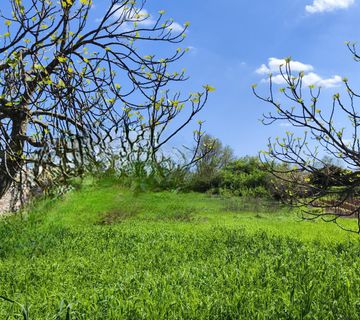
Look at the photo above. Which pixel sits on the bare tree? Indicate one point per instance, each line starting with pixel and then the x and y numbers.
pixel 213 156
pixel 303 156
pixel 71 89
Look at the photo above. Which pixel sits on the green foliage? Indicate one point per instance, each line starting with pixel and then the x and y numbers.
pixel 219 172
pixel 246 177
pixel 172 256
pixel 213 156
pixel 143 176
pixel 329 175
pixel 205 182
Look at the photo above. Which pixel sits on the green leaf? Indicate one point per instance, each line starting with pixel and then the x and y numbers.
pixel 209 88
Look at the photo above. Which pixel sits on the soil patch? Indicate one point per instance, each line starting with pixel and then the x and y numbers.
pixel 116 216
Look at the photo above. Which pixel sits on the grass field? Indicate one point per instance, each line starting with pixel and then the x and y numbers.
pixel 105 253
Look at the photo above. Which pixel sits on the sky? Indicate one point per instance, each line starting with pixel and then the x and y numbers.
pixel 235 43
pixel 232 41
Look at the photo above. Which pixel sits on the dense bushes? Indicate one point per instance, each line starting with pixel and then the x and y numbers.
pixel 215 170
pixel 218 171
pixel 245 177
pixel 152 176
pixel 242 177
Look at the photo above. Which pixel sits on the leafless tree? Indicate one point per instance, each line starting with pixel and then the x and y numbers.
pixel 303 157
pixel 214 156
pixel 71 89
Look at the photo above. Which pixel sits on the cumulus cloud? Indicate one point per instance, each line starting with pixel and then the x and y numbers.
pixel 328 5
pixel 309 77
pixel 263 69
pixel 315 79
pixel 274 65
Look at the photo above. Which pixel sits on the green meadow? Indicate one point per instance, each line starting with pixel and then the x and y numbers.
pixel 105 252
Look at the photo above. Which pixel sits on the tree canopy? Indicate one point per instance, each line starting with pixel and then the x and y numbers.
pixel 73 88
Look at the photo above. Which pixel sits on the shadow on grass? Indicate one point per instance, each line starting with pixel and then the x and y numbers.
pixel 116 216
pixel 248 204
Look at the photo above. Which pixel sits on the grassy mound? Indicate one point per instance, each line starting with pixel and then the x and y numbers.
pixel 104 253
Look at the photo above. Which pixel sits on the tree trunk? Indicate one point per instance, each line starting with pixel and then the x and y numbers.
pixel 11 161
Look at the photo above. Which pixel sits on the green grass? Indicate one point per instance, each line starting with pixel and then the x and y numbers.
pixel 105 253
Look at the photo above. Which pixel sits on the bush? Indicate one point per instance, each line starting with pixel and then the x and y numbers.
pixel 143 176
pixel 204 183
pixel 246 177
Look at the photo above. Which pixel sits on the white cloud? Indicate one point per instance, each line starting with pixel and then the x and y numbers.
pixel 328 5
pixel 176 27
pixel 275 64
pixel 278 79
pixel 141 17
pixel 315 79
pixel 309 78
pixel 296 66
pixel 263 69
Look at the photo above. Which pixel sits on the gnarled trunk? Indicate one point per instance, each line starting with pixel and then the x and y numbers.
pixel 11 160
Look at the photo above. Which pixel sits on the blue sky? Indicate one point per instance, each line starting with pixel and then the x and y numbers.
pixel 232 41
pixel 235 43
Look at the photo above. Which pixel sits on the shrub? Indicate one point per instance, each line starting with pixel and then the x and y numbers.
pixel 246 177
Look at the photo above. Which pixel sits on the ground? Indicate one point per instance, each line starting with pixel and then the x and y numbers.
pixel 104 252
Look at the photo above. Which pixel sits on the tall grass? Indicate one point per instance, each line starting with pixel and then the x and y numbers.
pixel 172 256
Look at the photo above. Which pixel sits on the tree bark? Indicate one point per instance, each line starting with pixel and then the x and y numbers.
pixel 11 160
